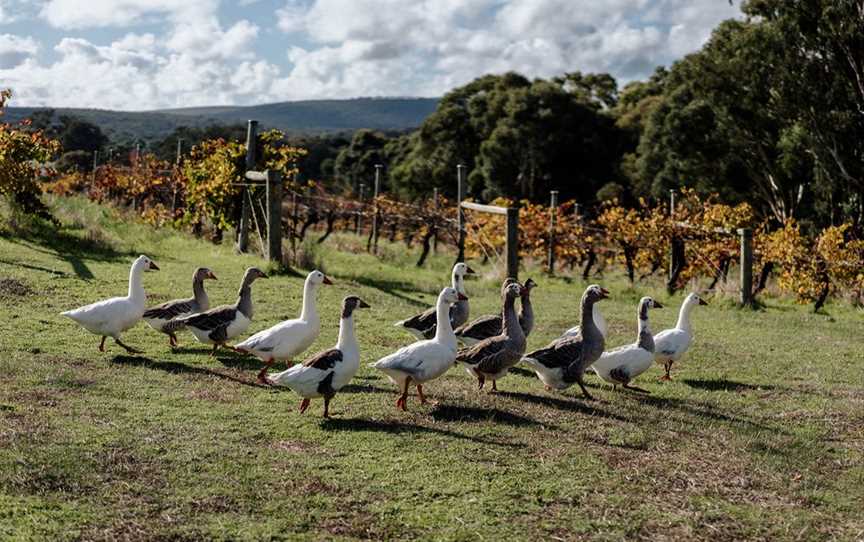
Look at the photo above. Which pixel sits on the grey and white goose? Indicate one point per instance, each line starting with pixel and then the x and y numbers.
pixel 220 325
pixel 165 318
pixel 493 357
pixel 622 365
pixel 491 324
pixel 563 362
pixel 325 373
pixel 423 325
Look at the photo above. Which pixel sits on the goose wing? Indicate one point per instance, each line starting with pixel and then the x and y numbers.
pixel 481 328
pixel 559 353
pixel 212 319
pixel 170 309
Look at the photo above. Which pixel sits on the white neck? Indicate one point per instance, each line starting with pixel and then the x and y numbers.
pixel 136 289
pixel 458 283
pixel 310 311
pixel 443 329
pixel 347 341
pixel 684 317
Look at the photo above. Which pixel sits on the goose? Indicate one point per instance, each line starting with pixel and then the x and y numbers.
pixel 325 373
pixel 423 325
pixel 670 345
pixel 598 320
pixel 489 326
pixel 622 365
pixel 563 361
pixel 165 317
pixel 290 337
pixel 220 325
pixel 492 358
pixel 424 360
pixel 111 317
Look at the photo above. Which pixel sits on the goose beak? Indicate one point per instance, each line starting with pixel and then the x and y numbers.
pixel 469 271
pixel 461 297
pixel 327 280
pixel 363 305
pixel 658 305
pixel 153 266
pixel 210 275
pixel 702 301
pixel 605 293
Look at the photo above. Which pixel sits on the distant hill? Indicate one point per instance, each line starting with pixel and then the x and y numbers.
pixel 312 116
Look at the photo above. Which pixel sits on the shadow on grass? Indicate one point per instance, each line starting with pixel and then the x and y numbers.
pixel 367 388
pixel 523 372
pixel 181 368
pixel 454 413
pixel 724 385
pixel 576 404
pixel 703 411
pixel 396 427
pixel 390 287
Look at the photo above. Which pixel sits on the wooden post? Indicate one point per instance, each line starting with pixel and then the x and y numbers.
pixel 513 242
pixel 435 206
pixel 274 216
pixel 673 260
pixel 295 216
pixel 553 210
pixel 137 153
pixel 577 210
pixel 245 209
pixel 460 216
pixel 179 150
pixel 375 224
pixel 359 220
pixel 746 266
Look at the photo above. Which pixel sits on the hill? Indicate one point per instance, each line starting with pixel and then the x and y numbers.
pixel 312 116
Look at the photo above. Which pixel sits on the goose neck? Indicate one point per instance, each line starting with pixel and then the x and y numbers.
pixel 136 288
pixel 443 328
pixel 199 293
pixel 510 321
pixel 309 311
pixel 646 339
pixel 347 341
pixel 684 317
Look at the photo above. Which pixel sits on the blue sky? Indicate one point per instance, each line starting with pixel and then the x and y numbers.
pixel 148 54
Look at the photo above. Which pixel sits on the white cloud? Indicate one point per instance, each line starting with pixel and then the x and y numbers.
pixel 75 14
pixel 15 50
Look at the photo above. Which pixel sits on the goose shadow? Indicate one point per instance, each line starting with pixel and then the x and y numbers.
pixel 523 372
pixel 366 388
pixel 391 287
pixel 395 427
pixel 456 413
pixel 702 411
pixel 181 368
pixel 725 385
pixel 574 405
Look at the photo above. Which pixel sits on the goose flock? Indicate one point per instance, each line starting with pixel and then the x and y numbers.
pixel 491 344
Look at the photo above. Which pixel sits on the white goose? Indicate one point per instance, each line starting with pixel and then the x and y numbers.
pixel 424 360
pixel 290 337
pixel 625 363
pixel 111 317
pixel 423 325
pixel 326 372
pixel 599 321
pixel 220 325
pixel 670 345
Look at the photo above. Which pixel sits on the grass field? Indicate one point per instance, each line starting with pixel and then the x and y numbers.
pixel 760 435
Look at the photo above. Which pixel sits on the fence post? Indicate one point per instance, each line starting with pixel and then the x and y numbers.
pixel 245 208
pixel 435 206
pixel 375 224
pixel 179 150
pixel 95 164
pixel 359 218
pixel 460 213
pixel 553 210
pixel 274 216
pixel 746 266
pixel 513 242
pixel 672 252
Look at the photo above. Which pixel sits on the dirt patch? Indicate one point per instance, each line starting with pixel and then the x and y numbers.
pixel 10 287
pixel 293 447
pixel 213 395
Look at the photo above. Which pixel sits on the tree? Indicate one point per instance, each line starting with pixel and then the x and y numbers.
pixel 79 135
pixel 355 164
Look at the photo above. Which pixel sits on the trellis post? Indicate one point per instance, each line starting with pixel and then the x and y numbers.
pixel 513 242
pixel 460 216
pixel 274 216
pixel 359 218
pixel 553 210
pixel 179 150
pixel 375 224
pixel 672 253
pixel 245 208
pixel 435 206
pixel 746 266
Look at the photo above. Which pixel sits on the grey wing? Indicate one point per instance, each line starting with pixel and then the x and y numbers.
pixel 620 374
pixel 324 360
pixel 486 355
pixel 421 321
pixel 559 353
pixel 170 310
pixel 212 319
pixel 481 328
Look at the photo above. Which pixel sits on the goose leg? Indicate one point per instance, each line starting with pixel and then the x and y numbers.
pixel 262 375
pixel 102 344
pixel 327 405
pixel 401 403
pixel 667 377
pixel 584 390
pixel 215 348
pixel 423 399
pixel 304 404
pixel 634 388
pixel 172 340
pixel 481 380
pixel 127 347
pixel 494 385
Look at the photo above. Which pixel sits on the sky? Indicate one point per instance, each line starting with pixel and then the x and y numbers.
pixel 155 54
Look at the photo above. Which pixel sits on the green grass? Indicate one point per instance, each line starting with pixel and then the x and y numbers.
pixel 760 435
